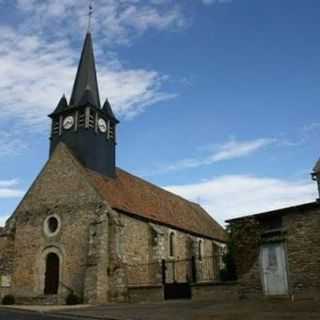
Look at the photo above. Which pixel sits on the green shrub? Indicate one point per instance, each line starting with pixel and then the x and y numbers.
pixel 8 300
pixel 72 299
pixel 229 273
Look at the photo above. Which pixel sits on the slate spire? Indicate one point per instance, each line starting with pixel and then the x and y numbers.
pixel 86 78
pixel 108 111
pixel 62 105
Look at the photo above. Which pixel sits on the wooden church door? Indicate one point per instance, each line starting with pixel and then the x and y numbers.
pixel 52 274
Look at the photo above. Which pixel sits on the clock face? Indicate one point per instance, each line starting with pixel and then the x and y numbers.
pixel 68 122
pixel 102 125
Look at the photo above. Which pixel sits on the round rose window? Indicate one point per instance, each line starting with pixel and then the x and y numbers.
pixel 52 225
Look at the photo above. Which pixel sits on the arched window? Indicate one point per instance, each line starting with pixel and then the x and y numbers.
pixel 171 244
pixel 200 249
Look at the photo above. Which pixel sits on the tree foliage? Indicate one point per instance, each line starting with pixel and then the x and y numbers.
pixel 229 272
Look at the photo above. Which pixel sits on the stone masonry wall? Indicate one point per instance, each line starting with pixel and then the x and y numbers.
pixel 217 292
pixel 6 260
pixel 96 283
pixel 6 253
pixel 246 237
pixel 62 190
pixel 142 246
pixel 303 250
pixel 302 242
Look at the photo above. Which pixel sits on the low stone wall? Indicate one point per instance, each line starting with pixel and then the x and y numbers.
pixel 217 291
pixel 302 293
pixel 141 294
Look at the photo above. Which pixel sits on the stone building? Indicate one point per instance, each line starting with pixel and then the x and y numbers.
pixel 277 253
pixel 89 228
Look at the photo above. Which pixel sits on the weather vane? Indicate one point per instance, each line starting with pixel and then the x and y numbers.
pixel 90 14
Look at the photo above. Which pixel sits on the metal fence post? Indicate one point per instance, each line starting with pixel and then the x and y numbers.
pixel 163 269
pixel 194 269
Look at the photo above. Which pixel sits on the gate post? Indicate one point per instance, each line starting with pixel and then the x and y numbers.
pixel 163 269
pixel 194 269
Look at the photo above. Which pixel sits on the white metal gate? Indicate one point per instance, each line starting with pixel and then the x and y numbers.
pixel 274 269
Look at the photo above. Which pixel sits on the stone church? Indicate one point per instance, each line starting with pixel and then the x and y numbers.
pixel 89 228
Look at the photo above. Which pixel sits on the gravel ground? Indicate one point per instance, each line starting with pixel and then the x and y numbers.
pixel 187 310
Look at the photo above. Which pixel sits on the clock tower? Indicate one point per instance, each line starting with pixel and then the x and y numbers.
pixel 88 129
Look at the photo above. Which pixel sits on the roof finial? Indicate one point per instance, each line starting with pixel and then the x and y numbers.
pixel 90 14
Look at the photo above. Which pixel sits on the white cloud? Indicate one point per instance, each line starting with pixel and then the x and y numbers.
pixel 39 59
pixel 115 21
pixel 35 72
pixel 302 136
pixel 236 149
pixel 230 196
pixel 3 219
pixel 9 189
pixel 210 2
pixel 9 183
pixel 6 193
pixel 230 150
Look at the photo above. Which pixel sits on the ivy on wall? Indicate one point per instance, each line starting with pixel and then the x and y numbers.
pixel 244 239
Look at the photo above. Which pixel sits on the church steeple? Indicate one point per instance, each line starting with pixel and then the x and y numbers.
pixel 86 78
pixel 86 128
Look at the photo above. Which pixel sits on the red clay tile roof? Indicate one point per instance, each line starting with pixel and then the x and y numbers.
pixel 135 196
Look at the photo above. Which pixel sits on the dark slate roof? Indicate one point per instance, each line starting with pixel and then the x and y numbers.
pixel 86 75
pixel 62 105
pixel 134 196
pixel 316 168
pixel 87 98
pixel 108 111
pixel 293 209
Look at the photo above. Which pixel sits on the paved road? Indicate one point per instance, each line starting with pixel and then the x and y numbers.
pixel 21 315
pixel 209 310
pixel 182 310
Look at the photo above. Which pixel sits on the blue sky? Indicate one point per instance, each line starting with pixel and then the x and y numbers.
pixel 218 100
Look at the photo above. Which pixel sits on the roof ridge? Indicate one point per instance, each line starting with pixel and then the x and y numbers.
pixel 275 211
pixel 159 188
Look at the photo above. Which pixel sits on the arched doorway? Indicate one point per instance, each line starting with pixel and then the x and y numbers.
pixel 52 274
